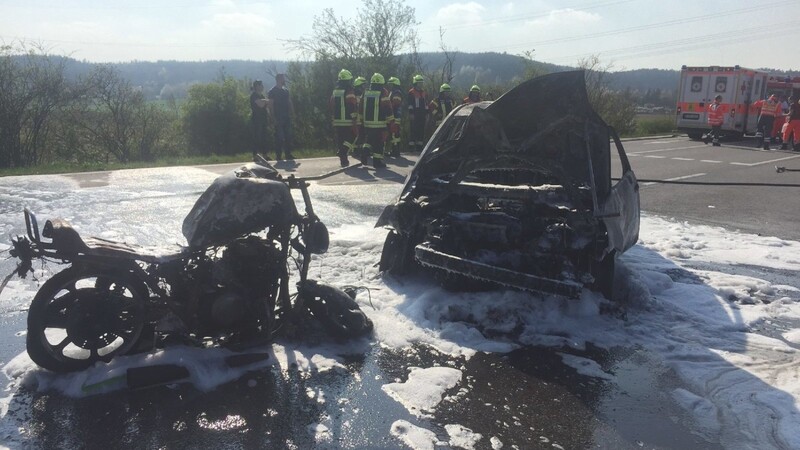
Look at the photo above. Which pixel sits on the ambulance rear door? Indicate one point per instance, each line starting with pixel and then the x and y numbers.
pixel 692 97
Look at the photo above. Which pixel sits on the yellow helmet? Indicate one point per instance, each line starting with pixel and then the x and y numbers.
pixel 418 79
pixel 394 80
pixel 359 81
pixel 345 75
pixel 377 79
pixel 444 88
pixel 475 88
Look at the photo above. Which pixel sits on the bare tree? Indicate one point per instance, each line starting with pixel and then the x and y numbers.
pixel 32 86
pixel 615 107
pixel 381 30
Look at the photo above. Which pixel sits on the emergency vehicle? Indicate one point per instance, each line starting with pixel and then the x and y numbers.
pixel 739 88
pixel 784 86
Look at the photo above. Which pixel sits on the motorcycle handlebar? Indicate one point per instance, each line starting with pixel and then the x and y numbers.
pixel 296 182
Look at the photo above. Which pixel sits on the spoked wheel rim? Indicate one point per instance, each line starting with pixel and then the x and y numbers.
pixel 82 318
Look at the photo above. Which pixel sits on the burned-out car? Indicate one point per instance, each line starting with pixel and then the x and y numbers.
pixel 518 192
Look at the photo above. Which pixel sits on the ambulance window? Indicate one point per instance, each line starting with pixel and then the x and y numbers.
pixel 757 88
pixel 697 84
pixel 721 84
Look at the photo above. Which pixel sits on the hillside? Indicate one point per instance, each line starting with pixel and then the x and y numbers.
pixel 162 78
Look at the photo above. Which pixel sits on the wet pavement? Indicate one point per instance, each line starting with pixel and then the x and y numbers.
pixel 525 399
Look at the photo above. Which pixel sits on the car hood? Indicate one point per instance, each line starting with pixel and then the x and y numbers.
pixel 546 122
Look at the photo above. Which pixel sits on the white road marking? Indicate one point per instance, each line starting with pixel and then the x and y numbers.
pixel 668 149
pixel 678 178
pixel 655 156
pixel 658 142
pixel 712 161
pixel 683 159
pixel 764 162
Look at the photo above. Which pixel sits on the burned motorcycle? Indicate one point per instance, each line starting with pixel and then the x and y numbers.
pixel 230 286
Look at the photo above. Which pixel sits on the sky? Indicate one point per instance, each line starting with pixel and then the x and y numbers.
pixel 695 298
pixel 630 34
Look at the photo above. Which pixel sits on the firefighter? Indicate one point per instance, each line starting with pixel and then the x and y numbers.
pixel 792 130
pixel 343 106
pixel 396 98
pixel 378 121
pixel 441 106
pixel 770 108
pixel 474 95
pixel 417 114
pixel 715 119
pixel 358 88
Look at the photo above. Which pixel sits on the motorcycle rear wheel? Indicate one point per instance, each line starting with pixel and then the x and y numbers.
pixel 84 315
pixel 338 313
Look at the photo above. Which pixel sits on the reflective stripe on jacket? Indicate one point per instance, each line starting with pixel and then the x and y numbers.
pixel 376 109
pixel 715 114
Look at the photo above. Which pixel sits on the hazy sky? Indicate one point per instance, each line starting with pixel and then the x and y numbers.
pixel 630 33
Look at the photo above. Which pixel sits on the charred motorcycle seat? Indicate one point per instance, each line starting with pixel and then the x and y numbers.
pixel 69 244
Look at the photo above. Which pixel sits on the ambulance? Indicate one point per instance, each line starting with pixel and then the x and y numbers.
pixel 739 88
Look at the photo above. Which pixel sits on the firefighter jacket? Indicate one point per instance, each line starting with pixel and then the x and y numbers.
pixel 344 107
pixel 715 114
pixel 469 100
pixel 377 109
pixel 396 98
pixel 440 107
pixel 417 101
pixel 768 108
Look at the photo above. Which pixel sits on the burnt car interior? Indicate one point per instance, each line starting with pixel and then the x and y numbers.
pixel 518 192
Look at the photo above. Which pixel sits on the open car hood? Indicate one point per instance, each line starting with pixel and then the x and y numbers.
pixel 546 122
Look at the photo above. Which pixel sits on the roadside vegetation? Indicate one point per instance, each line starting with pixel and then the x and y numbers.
pixel 52 121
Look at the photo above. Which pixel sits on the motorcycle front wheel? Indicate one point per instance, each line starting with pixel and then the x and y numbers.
pixel 338 313
pixel 84 315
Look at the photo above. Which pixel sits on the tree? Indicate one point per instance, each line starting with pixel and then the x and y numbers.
pixel 381 31
pixel 616 108
pixel 32 87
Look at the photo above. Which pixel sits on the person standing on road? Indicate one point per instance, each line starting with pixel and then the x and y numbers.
pixel 280 105
pixel 396 98
pixel 417 115
pixel 378 121
pixel 359 84
pixel 715 119
pixel 258 119
pixel 344 116
pixel 441 106
pixel 792 130
pixel 770 108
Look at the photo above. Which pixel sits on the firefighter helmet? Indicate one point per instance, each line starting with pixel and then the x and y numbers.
pixel 444 88
pixel 345 75
pixel 418 79
pixel 718 97
pixel 394 80
pixel 475 88
pixel 359 81
pixel 377 79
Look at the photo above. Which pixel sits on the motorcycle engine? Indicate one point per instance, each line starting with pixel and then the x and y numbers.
pixel 247 278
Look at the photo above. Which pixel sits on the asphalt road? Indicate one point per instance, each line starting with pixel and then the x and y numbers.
pixel 734 186
pixel 519 397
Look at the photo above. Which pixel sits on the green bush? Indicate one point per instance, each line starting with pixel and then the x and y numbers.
pixel 216 119
pixel 652 125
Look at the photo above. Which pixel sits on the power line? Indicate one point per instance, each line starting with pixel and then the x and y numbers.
pixel 723 38
pixel 522 17
pixel 647 27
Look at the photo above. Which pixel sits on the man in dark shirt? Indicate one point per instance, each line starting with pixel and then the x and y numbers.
pixel 280 104
pixel 258 119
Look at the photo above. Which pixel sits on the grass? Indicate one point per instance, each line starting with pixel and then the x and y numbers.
pixel 646 125
pixel 651 125
pixel 47 169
